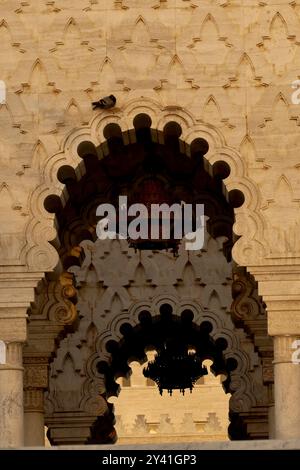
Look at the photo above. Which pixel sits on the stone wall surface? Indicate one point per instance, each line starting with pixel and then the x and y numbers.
pixel 228 64
pixel 112 300
pixel 221 69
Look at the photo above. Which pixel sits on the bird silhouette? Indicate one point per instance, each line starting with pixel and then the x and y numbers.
pixel 105 103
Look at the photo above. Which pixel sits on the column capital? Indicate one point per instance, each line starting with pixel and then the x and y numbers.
pixel 17 289
pixel 13 324
pixel 277 282
pixel 16 294
pixel 280 288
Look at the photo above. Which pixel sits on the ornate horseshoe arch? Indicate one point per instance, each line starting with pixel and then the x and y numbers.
pixel 41 256
pixel 116 304
pixel 244 385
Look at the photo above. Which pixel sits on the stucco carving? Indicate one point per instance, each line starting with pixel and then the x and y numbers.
pixel 238 98
pixel 249 224
pixel 109 298
pixel 50 317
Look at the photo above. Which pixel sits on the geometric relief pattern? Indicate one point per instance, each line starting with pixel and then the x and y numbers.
pixel 223 69
pixel 114 285
pixel 182 54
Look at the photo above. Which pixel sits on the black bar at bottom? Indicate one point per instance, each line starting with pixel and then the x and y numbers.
pixel 95 458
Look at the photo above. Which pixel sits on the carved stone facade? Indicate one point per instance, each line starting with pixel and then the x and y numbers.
pixel 111 301
pixel 205 85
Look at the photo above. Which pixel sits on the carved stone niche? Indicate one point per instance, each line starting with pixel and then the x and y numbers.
pixel 51 315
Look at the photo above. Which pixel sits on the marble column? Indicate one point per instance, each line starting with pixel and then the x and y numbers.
pixel 11 397
pixel 279 286
pixel 16 295
pixel 287 387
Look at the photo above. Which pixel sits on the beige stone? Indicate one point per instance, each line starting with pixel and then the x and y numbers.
pixel 11 398
pixel 223 71
pixel 201 415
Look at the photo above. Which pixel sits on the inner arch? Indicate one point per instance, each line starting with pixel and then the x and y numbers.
pixel 118 165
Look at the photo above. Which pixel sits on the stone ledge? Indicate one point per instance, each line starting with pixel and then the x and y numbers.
pixel 272 444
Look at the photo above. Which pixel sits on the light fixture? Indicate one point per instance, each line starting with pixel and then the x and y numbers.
pixel 175 368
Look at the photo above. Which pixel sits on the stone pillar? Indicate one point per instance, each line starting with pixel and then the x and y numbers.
pixel 35 383
pixel 286 388
pixel 34 418
pixel 16 294
pixel 11 397
pixel 51 317
pixel 280 288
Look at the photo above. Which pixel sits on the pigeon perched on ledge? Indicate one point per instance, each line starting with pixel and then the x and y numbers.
pixel 105 103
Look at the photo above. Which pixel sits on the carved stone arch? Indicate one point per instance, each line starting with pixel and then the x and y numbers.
pixel 245 384
pixel 41 256
pixel 149 268
pixel 94 271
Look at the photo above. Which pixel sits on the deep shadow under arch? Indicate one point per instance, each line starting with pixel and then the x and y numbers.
pixel 151 333
pixel 189 178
